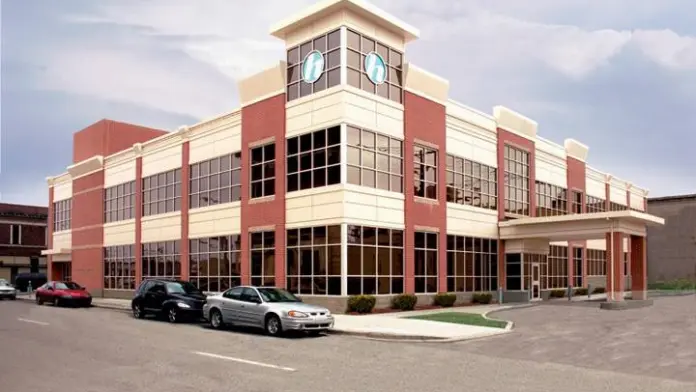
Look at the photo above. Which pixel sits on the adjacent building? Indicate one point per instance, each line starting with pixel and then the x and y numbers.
pixel 22 239
pixel 346 170
pixel 672 247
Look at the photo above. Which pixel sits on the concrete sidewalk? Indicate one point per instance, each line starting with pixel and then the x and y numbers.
pixel 384 326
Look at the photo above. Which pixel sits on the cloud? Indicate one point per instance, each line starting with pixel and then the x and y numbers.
pixel 667 48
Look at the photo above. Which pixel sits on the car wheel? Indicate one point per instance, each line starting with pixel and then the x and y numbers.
pixel 56 302
pixel 273 325
pixel 39 301
pixel 138 311
pixel 13 298
pixel 173 315
pixel 216 319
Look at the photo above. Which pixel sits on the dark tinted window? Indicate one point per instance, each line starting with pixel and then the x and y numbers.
pixel 250 295
pixel 235 293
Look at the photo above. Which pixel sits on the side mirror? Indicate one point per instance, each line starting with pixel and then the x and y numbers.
pixel 257 300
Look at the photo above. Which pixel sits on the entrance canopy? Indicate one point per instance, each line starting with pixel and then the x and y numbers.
pixel 578 226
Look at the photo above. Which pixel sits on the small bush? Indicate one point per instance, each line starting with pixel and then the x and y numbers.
pixel 482 298
pixel 581 291
pixel 599 290
pixel 558 293
pixel 361 303
pixel 445 300
pixel 404 302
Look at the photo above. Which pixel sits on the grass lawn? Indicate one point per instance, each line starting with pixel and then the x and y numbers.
pixel 674 285
pixel 461 318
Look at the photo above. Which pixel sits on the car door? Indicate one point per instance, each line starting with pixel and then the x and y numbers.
pixel 155 297
pixel 230 305
pixel 252 308
pixel 48 292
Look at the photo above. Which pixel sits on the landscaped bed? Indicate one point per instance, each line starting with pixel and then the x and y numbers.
pixel 461 318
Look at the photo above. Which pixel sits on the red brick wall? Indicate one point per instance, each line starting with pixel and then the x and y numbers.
pixel 5 233
pixel 424 120
pixel 34 235
pixel 184 247
pixel 261 121
pixel 106 137
pixel 88 230
pixel 576 175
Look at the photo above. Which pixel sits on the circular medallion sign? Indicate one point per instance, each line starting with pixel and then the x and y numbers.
pixel 312 66
pixel 375 68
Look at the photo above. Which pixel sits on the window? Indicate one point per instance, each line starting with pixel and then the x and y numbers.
pixel 15 235
pixel 577 266
pixel 557 267
pixel 119 202
pixel 530 259
pixel 119 267
pixel 314 260
pixel 426 262
pixel 161 260
pixel 596 262
pixel 314 159
pixel 576 202
pixel 234 293
pixel 62 214
pixel 263 171
pixel 359 47
pixel 65 271
pixel 250 295
pixel 215 262
pixel 424 172
pixel 162 193
pixel 216 181
pixel 262 258
pixel 375 160
pixel 551 199
pixel 471 183
pixel 513 271
pixel 472 264
pixel 516 181
pixel 594 204
pixel 329 45
pixel 614 206
pixel 375 260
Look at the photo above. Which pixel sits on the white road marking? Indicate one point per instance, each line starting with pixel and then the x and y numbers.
pixel 266 365
pixel 32 321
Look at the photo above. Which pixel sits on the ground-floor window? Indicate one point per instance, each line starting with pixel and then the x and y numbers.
pixel 162 260
pixel 557 267
pixel 262 256
pixel 215 262
pixel 577 266
pixel 426 262
pixel 314 260
pixel 119 268
pixel 472 264
pixel 513 271
pixel 65 271
pixel 375 260
pixel 596 262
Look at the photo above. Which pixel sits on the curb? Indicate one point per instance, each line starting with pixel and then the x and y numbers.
pixel 94 305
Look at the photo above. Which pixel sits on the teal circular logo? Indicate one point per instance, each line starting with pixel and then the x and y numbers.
pixel 312 66
pixel 375 68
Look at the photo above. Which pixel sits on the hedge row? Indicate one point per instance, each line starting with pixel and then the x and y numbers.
pixel 366 303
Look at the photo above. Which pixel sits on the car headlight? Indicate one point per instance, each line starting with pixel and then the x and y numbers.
pixel 296 314
pixel 328 313
pixel 183 305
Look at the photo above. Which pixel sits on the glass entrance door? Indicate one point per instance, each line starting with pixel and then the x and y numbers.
pixel 536 282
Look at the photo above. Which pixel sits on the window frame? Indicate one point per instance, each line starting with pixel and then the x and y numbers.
pixel 427 277
pixel 227 250
pixel 268 246
pixel 13 240
pixel 467 173
pixel 546 195
pixel 114 259
pixel 150 188
pixel 265 179
pixel 370 279
pixel 513 158
pixel 295 154
pixel 421 167
pixel 62 215
pixel 158 254
pixel 295 58
pixel 296 245
pixel 214 170
pixel 119 202
pixel 358 152
pixel 462 251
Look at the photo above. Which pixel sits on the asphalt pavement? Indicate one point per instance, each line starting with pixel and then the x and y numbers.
pixel 47 349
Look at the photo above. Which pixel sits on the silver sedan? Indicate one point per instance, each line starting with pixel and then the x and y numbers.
pixel 273 309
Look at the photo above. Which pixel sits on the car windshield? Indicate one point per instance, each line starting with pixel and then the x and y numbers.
pixel 182 288
pixel 4 283
pixel 67 286
pixel 277 295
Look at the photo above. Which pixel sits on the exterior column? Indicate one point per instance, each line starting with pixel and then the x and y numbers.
pixel 50 274
pixel 639 267
pixel 185 182
pixel 615 267
pixel 570 262
pixel 138 215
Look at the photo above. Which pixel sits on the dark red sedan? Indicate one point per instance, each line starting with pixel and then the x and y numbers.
pixel 62 294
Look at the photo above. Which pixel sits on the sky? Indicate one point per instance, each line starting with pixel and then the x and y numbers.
pixel 617 75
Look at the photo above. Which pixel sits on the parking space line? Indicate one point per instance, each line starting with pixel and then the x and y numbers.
pixel 245 361
pixel 32 321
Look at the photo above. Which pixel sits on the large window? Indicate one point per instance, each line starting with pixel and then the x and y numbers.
pixel 314 159
pixel 62 214
pixel 471 183
pixel 216 181
pixel 375 160
pixel 576 202
pixel 426 262
pixel 472 264
pixel 577 266
pixel 119 202
pixel 359 47
pixel 161 260
pixel 162 193
pixel 596 262
pixel 516 181
pixel 552 200
pixel 262 258
pixel 329 47
pixel 424 171
pixel 215 262
pixel 375 260
pixel 119 267
pixel 262 171
pixel 513 271
pixel 314 260
pixel 614 206
pixel 594 204
pixel 557 267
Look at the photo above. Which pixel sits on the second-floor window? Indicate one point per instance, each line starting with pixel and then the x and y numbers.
pixel 162 193
pixel 424 172
pixel 471 183
pixel 119 202
pixel 314 159
pixel 62 215
pixel 594 204
pixel 15 235
pixel 552 200
pixel 576 203
pixel 216 181
pixel 375 160
pixel 328 48
pixel 262 178
pixel 516 181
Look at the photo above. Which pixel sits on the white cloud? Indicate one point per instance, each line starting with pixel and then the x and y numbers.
pixel 667 48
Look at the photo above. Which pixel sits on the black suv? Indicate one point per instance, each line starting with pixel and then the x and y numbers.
pixel 174 299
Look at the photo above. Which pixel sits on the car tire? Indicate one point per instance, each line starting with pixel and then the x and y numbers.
pixel 138 311
pixel 273 325
pixel 172 315
pixel 13 298
pixel 216 321
pixel 39 301
pixel 56 302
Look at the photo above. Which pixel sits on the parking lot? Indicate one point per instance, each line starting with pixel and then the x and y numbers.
pixel 56 349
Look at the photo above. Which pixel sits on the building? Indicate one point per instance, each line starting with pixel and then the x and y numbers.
pixel 22 239
pixel 672 247
pixel 345 170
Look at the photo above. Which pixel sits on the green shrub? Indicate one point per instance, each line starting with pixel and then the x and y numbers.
pixel 404 302
pixel 482 298
pixel 445 299
pixel 558 293
pixel 673 285
pixel 599 290
pixel 581 291
pixel 361 303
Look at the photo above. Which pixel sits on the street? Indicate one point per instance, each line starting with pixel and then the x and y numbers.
pixel 55 349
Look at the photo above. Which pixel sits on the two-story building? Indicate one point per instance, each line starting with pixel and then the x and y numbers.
pixel 23 237
pixel 345 170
